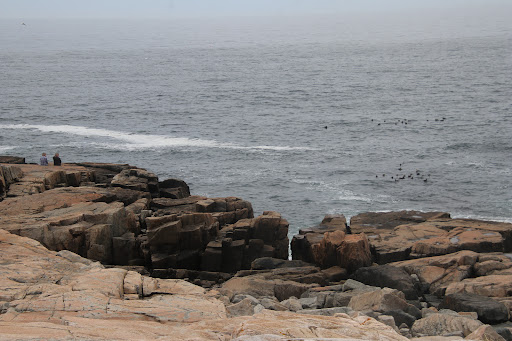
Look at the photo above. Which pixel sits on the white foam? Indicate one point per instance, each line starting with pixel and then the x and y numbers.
pixel 132 141
pixel 351 196
pixel 5 148
pixel 483 218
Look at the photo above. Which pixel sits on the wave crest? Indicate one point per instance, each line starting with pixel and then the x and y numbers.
pixel 139 141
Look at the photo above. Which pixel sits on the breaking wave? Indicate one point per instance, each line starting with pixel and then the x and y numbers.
pixel 132 141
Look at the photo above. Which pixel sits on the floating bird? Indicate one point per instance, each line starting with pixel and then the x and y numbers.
pixel 23 24
pixel 325 127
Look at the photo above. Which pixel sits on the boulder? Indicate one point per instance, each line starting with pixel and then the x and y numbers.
pixel 174 189
pixel 401 317
pixel 334 222
pixel 137 179
pixel 337 295
pixel 292 304
pixel 485 333
pixel 444 324
pixel 272 303
pixel 306 245
pixel 383 301
pixel 12 159
pixel 491 264
pixel 242 308
pixel 390 277
pixel 354 252
pixel 266 285
pixel 489 311
pixel 335 274
pixel 332 248
pixel 303 246
pixel 325 253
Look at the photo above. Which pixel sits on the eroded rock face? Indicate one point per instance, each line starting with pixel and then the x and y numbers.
pixel 107 217
pixel 329 245
pixel 239 244
pixel 68 219
pixel 306 245
pixel 8 176
pixel 354 252
pixel 61 294
pixel 175 241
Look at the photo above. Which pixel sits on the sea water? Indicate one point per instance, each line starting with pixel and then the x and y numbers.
pixel 306 116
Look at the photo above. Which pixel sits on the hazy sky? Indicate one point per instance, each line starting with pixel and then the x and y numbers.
pixel 23 9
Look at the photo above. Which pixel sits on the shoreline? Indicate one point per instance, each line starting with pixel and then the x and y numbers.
pixel 400 271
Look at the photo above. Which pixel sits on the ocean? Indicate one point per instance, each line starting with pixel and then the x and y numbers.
pixel 306 116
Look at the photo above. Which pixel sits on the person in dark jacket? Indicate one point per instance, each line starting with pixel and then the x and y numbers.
pixel 56 160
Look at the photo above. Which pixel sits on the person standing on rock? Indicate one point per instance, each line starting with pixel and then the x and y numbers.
pixel 56 160
pixel 43 160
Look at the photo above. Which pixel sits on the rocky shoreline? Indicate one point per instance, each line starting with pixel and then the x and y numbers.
pixel 109 252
